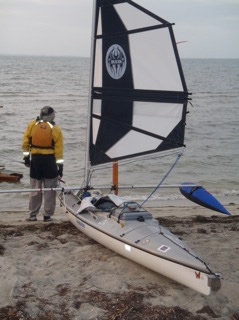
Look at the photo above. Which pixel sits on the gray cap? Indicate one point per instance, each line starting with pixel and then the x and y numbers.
pixel 46 111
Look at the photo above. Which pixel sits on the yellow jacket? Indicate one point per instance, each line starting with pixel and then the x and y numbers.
pixel 57 138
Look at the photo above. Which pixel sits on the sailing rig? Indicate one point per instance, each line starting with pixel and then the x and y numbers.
pixel 138 95
pixel 137 108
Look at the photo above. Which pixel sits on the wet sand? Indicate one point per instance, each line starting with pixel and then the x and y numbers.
pixel 51 271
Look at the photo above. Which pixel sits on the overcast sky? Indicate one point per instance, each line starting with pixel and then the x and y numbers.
pixel 63 27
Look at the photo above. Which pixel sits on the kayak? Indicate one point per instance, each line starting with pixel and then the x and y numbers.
pixel 202 197
pixel 10 177
pixel 131 231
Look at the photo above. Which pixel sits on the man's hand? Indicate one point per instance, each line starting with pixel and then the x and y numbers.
pixel 60 170
pixel 27 161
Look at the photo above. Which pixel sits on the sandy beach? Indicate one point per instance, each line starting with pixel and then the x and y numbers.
pixel 51 271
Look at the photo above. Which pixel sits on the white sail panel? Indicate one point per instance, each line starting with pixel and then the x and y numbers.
pixel 132 143
pixel 96 122
pixel 157 118
pixel 96 125
pixel 98 64
pixel 154 63
pixel 97 107
pixel 99 26
pixel 140 19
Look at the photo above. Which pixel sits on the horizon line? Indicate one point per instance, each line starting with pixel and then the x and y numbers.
pixel 88 57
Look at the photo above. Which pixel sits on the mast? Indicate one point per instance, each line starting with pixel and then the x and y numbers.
pixel 115 177
pixel 87 154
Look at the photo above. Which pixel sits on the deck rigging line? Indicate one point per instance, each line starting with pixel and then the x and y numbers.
pixel 160 183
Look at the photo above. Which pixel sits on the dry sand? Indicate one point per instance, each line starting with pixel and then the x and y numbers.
pixel 51 271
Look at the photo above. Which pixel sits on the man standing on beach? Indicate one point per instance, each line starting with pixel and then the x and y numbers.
pixel 42 147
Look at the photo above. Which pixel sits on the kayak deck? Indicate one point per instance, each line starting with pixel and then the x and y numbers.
pixel 131 231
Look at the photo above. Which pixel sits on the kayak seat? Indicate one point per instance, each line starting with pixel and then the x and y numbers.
pixel 105 204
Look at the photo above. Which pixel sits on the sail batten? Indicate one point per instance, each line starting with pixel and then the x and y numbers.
pixel 145 29
pixel 138 91
pixel 141 95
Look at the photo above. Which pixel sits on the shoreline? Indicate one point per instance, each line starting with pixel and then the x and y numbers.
pixel 53 271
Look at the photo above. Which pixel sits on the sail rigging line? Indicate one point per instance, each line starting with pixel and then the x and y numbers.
pixel 129 161
pixel 181 42
pixel 163 179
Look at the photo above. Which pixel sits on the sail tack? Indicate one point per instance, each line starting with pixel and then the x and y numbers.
pixel 138 94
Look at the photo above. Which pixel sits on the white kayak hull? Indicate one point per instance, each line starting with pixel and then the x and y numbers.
pixel 117 236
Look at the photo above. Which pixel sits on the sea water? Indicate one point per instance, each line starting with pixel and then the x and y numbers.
pixel 211 156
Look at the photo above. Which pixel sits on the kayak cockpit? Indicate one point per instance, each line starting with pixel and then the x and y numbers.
pixel 124 211
pixel 130 211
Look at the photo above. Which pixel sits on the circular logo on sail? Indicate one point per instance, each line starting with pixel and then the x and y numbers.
pixel 116 61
